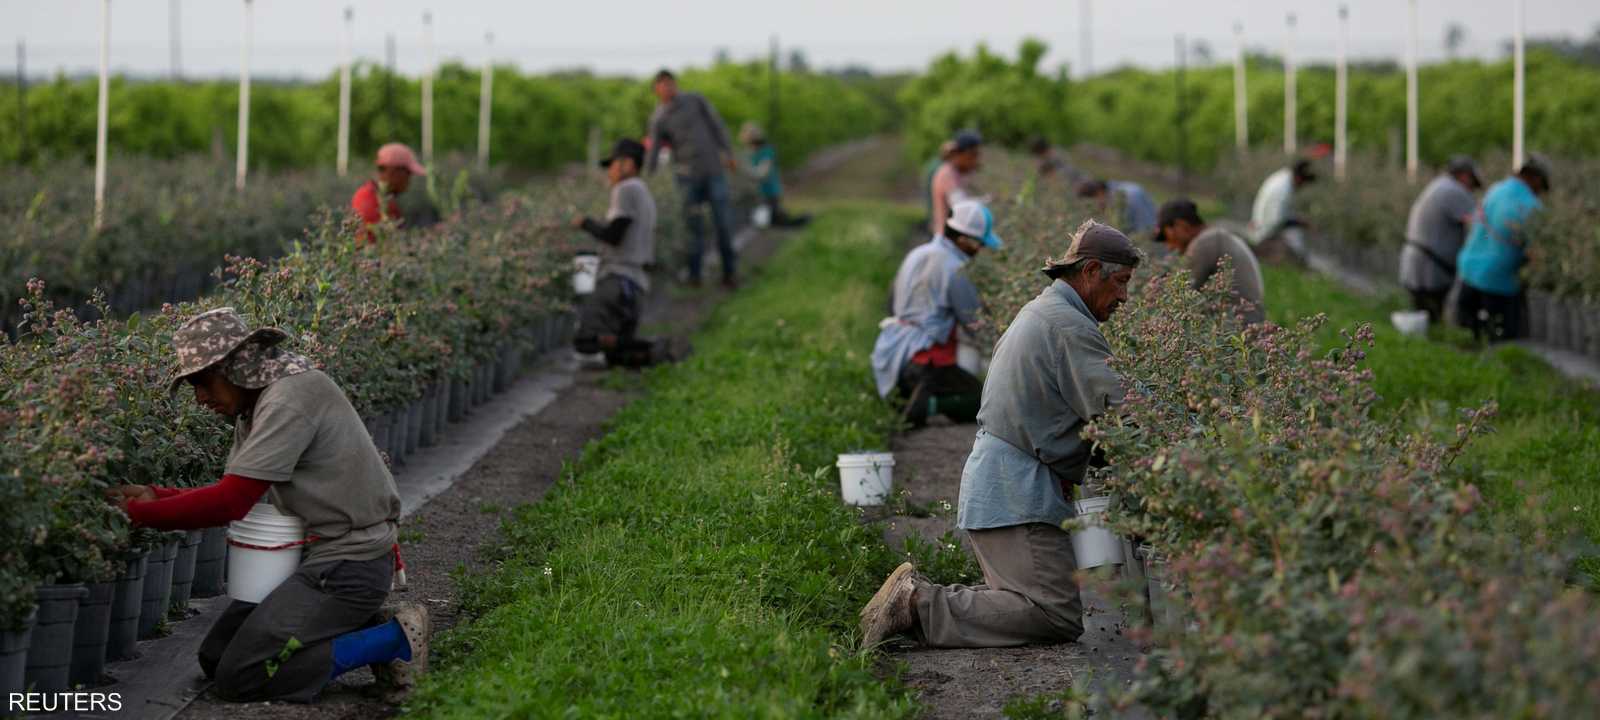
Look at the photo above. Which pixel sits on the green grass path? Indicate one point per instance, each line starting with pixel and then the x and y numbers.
pixel 697 563
pixel 1546 444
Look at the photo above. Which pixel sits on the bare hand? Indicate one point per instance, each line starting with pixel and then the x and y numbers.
pixel 577 221
pixel 124 494
pixel 728 162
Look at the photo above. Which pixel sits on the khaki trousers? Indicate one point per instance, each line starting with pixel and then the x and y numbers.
pixel 1029 595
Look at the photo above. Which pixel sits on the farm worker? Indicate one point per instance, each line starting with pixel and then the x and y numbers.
pixel 1050 375
pixel 298 443
pixel 1052 162
pixel 609 316
pixel 952 182
pixel 763 168
pixel 1275 231
pixel 374 200
pixel 700 154
pixel 916 348
pixel 1492 298
pixel 931 168
pixel 1181 228
pixel 1138 210
pixel 1435 231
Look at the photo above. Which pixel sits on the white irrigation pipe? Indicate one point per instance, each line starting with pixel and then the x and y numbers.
pixel 1289 142
pixel 343 161
pixel 1519 83
pixel 1411 94
pixel 427 88
pixel 243 164
pixel 1341 82
pixel 1241 103
pixel 484 96
pixel 104 111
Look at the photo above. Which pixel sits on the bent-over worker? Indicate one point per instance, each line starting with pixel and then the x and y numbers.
pixel 1435 230
pixel 1183 231
pixel 1492 299
pixel 1050 375
pixel 952 182
pixel 609 316
pixel 299 444
pixel 1138 215
pixel 916 348
pixel 1277 234
pixel 374 201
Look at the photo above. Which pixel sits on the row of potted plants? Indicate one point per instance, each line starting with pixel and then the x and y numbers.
pixel 1319 559
pixel 1361 225
pixel 417 328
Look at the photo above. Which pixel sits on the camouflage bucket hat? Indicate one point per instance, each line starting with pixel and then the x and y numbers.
pixel 212 336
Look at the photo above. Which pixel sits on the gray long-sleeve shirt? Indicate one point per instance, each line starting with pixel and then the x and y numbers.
pixel 694 130
pixel 1049 377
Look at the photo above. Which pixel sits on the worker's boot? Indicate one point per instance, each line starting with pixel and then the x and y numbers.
pixel 396 678
pixel 890 611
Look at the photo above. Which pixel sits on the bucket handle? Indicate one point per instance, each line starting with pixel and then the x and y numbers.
pixel 309 539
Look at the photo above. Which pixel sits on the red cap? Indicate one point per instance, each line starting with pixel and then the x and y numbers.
pixel 399 155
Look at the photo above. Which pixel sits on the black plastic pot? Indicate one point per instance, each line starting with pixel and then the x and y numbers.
pixel 441 408
pixel 127 598
pixel 483 383
pixel 413 427
pixel 157 595
pixel 183 570
pixel 502 369
pixel 430 412
pixel 209 562
pixel 457 408
pixel 50 650
pixel 397 436
pixel 14 656
pixel 90 633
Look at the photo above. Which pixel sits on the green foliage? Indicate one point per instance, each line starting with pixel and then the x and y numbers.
pixel 1009 102
pixel 695 564
pixel 538 121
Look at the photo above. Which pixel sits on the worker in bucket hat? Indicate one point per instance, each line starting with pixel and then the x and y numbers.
pixel 917 347
pixel 374 201
pixel 1050 376
pixel 298 445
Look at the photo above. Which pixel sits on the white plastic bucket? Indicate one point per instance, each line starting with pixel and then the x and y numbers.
pixel 969 359
pixel 1410 322
pixel 866 478
pixel 761 216
pixel 1094 544
pixel 585 272
pixel 264 550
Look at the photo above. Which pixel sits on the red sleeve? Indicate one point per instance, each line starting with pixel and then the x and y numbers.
pixel 394 210
pixel 365 203
pixel 163 493
pixel 216 504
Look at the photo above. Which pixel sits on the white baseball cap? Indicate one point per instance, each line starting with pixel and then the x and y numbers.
pixel 971 218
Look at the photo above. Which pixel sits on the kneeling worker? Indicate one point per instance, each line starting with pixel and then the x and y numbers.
pixel 297 442
pixel 610 315
pixel 916 348
pixel 1049 377
pixel 1180 227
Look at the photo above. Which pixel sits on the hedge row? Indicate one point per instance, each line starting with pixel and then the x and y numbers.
pixel 85 405
pixel 1334 563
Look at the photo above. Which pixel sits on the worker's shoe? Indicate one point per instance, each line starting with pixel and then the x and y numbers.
pixel 397 677
pixel 890 611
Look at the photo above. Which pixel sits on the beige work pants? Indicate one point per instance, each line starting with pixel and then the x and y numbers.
pixel 1029 595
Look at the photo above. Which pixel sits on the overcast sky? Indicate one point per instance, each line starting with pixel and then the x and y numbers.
pixel 302 37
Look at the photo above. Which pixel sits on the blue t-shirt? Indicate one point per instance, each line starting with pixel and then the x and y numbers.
pixel 770 187
pixel 1138 210
pixel 1493 254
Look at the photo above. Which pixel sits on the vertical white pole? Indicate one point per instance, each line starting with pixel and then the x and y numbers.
pixel 243 163
pixel 173 37
pixel 427 88
pixel 1290 145
pixel 1241 102
pixel 343 162
pixel 484 95
pixel 1518 82
pixel 1411 94
pixel 1341 90
pixel 1086 37
pixel 104 110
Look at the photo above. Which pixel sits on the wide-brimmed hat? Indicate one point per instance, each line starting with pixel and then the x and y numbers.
pixel 210 337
